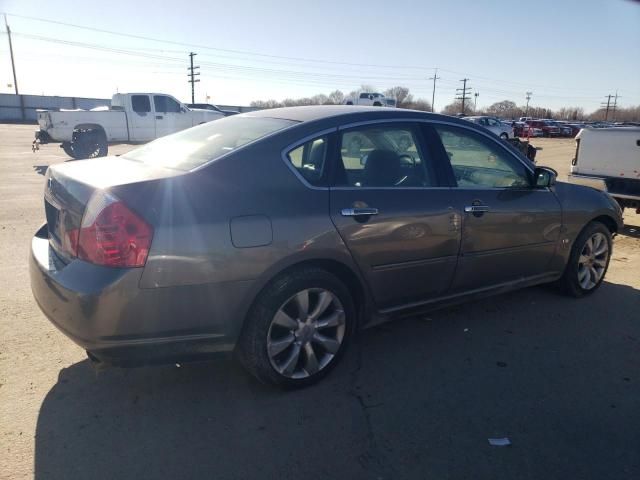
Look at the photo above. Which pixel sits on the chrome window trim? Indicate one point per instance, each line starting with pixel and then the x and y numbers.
pixel 284 154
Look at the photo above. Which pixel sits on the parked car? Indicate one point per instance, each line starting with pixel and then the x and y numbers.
pixel 390 102
pixel 609 159
pixel 262 234
pixel 522 129
pixel 493 125
pixel 575 128
pixel 548 127
pixel 131 118
pixel 565 130
pixel 368 99
pixel 211 107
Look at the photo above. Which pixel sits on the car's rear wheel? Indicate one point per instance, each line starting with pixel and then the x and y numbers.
pixel 298 328
pixel 588 261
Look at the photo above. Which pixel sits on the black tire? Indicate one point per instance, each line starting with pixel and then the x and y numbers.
pixel 504 136
pixel 68 149
pixel 377 104
pixel 569 283
pixel 349 103
pixel 252 345
pixel 89 144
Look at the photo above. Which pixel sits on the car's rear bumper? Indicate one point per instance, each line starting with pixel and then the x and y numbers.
pixel 105 311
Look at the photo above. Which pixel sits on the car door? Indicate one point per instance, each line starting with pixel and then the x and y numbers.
pixel 510 228
pixel 142 122
pixel 170 116
pixel 390 210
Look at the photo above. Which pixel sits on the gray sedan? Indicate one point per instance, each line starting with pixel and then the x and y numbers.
pixel 501 129
pixel 277 234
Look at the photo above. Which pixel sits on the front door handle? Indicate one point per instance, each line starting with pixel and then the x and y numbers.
pixel 476 208
pixel 359 212
pixel 159 117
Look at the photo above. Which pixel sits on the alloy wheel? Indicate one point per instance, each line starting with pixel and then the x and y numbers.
pixel 593 259
pixel 306 333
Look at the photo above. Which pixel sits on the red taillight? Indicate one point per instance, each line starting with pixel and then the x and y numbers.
pixel 112 235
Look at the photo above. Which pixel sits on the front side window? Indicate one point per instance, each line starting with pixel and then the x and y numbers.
pixel 386 156
pixel 479 162
pixel 165 104
pixel 140 103
pixel 309 160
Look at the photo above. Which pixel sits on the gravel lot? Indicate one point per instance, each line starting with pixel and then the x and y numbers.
pixel 416 398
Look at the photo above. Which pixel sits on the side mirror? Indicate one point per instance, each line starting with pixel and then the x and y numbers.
pixel 545 177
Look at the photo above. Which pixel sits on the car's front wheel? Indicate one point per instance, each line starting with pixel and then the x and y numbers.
pixel 588 262
pixel 504 136
pixel 298 328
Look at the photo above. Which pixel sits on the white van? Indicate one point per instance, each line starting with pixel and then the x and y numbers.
pixel 609 159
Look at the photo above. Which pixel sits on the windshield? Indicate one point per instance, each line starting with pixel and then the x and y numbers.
pixel 196 146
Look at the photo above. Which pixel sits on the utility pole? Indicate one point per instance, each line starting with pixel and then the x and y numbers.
pixel 433 95
pixel 528 97
pixel 615 105
pixel 192 77
pixel 475 101
pixel 13 65
pixel 462 93
pixel 607 106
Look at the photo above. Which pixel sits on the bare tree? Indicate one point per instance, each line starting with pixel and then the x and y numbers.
pixel 505 109
pixel 417 104
pixel 336 97
pixel 401 94
pixel 456 107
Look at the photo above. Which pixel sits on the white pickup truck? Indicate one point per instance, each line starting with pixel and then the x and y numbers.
pixel 609 159
pixel 369 99
pixel 131 118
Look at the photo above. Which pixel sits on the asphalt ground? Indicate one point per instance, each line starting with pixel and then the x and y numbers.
pixel 416 398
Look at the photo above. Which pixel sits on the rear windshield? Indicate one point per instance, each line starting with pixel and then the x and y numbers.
pixel 196 146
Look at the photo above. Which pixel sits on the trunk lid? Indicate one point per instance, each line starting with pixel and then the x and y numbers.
pixel 70 186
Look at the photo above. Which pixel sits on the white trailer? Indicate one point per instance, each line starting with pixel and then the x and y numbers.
pixel 609 159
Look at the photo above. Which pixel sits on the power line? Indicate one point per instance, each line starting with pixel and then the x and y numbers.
pixel 205 47
pixel 270 56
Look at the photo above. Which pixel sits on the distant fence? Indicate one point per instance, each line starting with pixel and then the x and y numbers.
pixel 22 108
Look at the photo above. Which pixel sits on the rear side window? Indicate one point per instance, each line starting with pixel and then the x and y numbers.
pixel 140 104
pixel 310 159
pixel 196 146
pixel 383 156
pixel 165 104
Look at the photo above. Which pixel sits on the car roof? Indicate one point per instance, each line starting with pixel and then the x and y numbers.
pixel 319 112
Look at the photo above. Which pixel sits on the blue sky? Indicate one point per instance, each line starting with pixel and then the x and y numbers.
pixel 566 52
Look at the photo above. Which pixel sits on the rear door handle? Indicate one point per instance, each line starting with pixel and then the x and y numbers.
pixel 476 208
pixel 358 212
